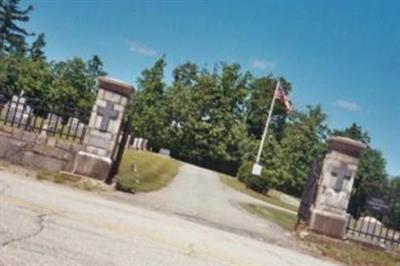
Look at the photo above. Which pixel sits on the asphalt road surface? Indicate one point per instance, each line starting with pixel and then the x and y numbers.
pixel 198 195
pixel 47 224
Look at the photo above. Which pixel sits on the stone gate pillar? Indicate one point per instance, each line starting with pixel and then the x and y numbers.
pixel 329 213
pixel 102 133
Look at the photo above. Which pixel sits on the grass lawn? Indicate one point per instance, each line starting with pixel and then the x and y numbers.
pixel 239 186
pixel 142 171
pixel 281 218
pixel 353 253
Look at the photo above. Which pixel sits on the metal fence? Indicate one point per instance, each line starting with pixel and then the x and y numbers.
pixel 373 231
pixel 378 215
pixel 34 115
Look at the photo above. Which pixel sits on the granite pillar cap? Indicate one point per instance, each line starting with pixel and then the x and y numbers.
pixel 115 86
pixel 346 145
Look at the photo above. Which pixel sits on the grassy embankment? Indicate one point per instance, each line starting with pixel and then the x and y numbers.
pixel 142 171
pixel 239 186
pixel 352 253
pixel 285 218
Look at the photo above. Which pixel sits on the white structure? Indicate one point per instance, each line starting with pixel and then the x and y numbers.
pixel 102 132
pixel 328 214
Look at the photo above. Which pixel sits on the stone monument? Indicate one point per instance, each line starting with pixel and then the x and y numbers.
pixel 329 213
pixel 102 132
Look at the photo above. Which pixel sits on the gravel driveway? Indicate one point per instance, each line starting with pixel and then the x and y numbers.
pixel 198 195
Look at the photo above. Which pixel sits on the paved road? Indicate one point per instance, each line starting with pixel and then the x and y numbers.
pixel 197 194
pixel 48 224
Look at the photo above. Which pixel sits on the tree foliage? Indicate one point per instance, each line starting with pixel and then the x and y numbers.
pixel 215 119
pixel 36 52
pixel 211 117
pixel 371 176
pixel 149 105
pixel 64 85
pixel 12 36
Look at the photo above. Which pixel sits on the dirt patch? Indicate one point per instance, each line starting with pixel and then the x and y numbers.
pixel 79 182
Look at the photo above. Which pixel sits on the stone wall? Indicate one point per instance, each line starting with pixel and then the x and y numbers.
pixel 37 150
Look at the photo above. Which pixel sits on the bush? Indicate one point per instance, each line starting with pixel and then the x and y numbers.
pixel 244 170
pixel 256 183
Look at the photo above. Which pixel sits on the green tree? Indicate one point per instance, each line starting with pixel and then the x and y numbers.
pixel 371 177
pixel 275 171
pixel 287 162
pixel 355 132
pixel 34 79
pixel 95 69
pixel 12 36
pixel 149 105
pixel 9 69
pixel 303 141
pixel 261 94
pixel 392 218
pixel 206 113
pixel 72 87
pixel 180 107
pixel 36 50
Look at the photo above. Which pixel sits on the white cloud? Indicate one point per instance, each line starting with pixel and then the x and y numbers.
pixel 142 49
pixel 348 106
pixel 262 64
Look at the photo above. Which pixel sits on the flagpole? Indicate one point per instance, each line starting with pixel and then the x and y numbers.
pixel 271 109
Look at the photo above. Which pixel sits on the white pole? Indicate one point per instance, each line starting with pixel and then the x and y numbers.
pixel 271 109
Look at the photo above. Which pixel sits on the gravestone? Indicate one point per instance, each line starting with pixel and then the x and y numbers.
pixel 51 123
pixel 368 227
pixel 134 144
pixel 165 152
pixel 144 145
pixel 75 125
pixel 128 141
pixel 18 111
pixel 102 131
pixel 328 213
pixel 139 144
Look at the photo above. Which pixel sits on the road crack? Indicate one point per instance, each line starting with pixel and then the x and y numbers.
pixel 40 222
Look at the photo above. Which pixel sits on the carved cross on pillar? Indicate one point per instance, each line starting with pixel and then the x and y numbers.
pixel 108 113
pixel 341 173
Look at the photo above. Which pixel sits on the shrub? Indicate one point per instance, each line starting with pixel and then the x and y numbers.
pixel 256 183
pixel 244 170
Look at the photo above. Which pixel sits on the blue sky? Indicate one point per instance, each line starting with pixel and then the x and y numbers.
pixel 344 55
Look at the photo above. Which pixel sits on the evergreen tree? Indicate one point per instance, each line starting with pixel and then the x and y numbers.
pixel 355 132
pixel 12 36
pixel 95 67
pixel 36 51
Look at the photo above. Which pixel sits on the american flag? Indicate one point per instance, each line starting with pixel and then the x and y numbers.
pixel 283 97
